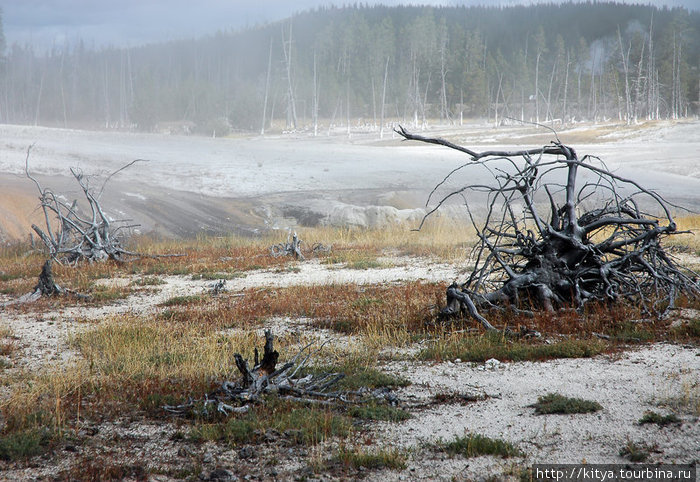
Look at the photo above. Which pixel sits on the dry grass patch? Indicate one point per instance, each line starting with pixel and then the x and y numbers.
pixel 389 312
pixel 357 458
pixel 149 281
pixel 104 467
pixel 684 394
pixel 131 365
pixel 687 331
pixel 7 346
pixel 5 331
pixel 440 238
pixel 692 240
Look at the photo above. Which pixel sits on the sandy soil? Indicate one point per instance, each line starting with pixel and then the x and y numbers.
pixel 626 386
pixel 195 184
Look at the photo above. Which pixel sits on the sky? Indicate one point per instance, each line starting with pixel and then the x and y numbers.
pixel 124 23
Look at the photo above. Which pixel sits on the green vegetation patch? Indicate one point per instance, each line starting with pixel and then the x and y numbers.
pixel 24 443
pixel 218 275
pixel 274 421
pixel 554 403
pixel 182 300
pixel 495 345
pixel 365 264
pixel 374 460
pixel 357 377
pixel 635 452
pixel 379 412
pixel 658 419
pixel 475 445
pixel 104 294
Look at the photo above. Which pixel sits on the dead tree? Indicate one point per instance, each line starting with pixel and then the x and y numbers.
pixel 596 242
pixel 293 247
pixel 287 382
pixel 75 232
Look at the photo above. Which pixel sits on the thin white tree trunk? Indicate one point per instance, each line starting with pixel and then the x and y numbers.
pixel 381 120
pixel 267 90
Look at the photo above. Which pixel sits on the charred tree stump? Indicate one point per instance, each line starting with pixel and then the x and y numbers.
pixel 46 285
pixel 286 382
pixel 579 253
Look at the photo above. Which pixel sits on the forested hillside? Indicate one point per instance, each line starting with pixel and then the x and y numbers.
pixel 365 66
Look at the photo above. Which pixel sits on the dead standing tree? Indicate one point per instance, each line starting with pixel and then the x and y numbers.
pixel 524 261
pixel 74 234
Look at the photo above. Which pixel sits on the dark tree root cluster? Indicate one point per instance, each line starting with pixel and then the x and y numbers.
pixel 562 232
pixel 287 382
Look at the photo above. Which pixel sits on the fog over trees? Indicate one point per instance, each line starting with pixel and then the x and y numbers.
pixel 366 66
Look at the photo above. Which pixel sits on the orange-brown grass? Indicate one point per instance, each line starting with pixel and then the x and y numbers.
pixel 347 308
pixel 228 256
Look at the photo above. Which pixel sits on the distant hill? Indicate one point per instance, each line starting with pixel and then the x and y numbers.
pixel 356 66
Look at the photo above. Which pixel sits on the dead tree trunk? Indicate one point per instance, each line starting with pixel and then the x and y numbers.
pixel 576 254
pixel 46 285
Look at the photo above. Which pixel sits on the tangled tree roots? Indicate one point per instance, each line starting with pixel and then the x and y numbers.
pixel 285 382
pixel 595 244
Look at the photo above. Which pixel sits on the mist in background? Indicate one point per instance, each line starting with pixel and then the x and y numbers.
pixel 215 66
pixel 129 23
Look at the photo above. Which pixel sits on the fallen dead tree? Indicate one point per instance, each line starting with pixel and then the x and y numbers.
pixel 286 382
pixel 550 241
